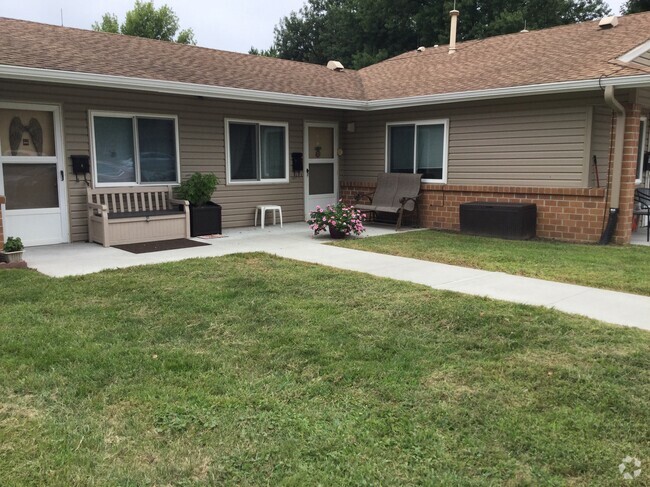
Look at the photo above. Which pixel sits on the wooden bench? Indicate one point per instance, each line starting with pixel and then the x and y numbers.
pixel 134 214
pixel 395 193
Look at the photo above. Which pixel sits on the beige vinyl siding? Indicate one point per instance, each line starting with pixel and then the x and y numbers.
pixel 601 136
pixel 643 98
pixel 201 134
pixel 643 59
pixel 514 143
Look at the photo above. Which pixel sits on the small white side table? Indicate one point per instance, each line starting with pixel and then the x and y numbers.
pixel 262 209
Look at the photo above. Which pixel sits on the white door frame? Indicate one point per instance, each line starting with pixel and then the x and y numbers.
pixel 334 160
pixel 58 159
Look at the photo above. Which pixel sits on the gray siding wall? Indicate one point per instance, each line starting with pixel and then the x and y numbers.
pixel 643 98
pixel 202 147
pixel 527 142
pixel 600 145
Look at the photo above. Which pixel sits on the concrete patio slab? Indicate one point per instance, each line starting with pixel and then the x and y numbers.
pixel 295 241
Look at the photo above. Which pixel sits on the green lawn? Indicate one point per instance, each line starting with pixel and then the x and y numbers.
pixel 622 268
pixel 254 370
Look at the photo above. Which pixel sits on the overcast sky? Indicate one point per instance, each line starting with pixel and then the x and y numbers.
pixel 231 25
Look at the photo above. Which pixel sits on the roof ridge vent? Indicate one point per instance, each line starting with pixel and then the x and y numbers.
pixel 335 66
pixel 608 22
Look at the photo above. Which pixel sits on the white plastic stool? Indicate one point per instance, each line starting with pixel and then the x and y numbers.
pixel 262 209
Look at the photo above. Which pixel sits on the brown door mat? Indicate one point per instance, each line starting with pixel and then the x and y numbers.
pixel 159 246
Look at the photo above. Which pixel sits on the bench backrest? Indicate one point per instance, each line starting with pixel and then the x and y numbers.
pixel 131 198
pixel 391 187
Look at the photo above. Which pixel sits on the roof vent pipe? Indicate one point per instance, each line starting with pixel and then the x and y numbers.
pixel 608 22
pixel 452 34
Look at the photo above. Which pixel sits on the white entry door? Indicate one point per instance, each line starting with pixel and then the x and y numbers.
pixel 32 171
pixel 321 165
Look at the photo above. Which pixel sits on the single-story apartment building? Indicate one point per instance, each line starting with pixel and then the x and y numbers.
pixel 557 117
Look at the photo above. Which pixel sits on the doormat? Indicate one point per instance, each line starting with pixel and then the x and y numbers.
pixel 146 247
pixel 211 236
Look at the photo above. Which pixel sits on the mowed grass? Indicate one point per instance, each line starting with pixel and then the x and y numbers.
pixel 253 370
pixel 621 268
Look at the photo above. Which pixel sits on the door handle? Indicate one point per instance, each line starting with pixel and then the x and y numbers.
pixel 61 172
pixel 307 171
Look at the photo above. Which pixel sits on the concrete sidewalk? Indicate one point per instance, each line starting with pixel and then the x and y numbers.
pixel 295 242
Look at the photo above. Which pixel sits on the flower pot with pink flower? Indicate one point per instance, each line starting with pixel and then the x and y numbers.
pixel 340 220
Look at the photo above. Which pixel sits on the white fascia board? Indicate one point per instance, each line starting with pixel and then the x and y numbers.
pixel 210 91
pixel 635 53
pixel 173 87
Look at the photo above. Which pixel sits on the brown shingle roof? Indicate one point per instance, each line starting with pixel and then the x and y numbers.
pixel 567 53
pixel 35 45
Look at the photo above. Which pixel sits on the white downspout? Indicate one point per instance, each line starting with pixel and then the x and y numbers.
pixel 617 168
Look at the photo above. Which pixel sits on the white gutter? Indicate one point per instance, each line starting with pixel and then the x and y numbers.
pixel 540 89
pixel 619 141
pixel 210 91
pixel 172 87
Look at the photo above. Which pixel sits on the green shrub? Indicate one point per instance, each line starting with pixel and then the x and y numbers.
pixel 13 244
pixel 198 188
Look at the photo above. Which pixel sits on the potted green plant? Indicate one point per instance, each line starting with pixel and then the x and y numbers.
pixel 341 220
pixel 13 250
pixel 205 216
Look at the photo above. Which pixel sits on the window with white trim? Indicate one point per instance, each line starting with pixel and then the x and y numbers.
pixel 133 149
pixel 418 148
pixel 258 152
pixel 643 148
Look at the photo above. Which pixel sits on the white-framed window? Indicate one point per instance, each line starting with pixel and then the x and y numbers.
pixel 420 147
pixel 643 148
pixel 129 149
pixel 256 152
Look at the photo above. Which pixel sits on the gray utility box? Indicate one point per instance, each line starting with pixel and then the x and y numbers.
pixel 515 221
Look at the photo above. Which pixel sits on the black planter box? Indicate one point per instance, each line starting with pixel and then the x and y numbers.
pixel 515 221
pixel 205 220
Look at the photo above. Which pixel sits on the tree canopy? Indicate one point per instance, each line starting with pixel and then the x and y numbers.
pixel 145 20
pixel 362 32
pixel 636 6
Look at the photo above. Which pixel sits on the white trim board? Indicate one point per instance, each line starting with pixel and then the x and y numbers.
pixel 635 53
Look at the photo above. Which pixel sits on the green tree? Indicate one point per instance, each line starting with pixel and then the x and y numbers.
pixel 145 20
pixel 271 52
pixel 636 6
pixel 363 32
pixel 109 23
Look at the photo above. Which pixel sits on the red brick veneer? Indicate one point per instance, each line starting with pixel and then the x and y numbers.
pixel 571 214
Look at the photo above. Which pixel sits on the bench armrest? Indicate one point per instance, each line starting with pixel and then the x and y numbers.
pixel 98 207
pixel 359 196
pixel 405 199
pixel 174 201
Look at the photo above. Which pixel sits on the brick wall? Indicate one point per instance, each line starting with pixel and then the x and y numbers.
pixel 570 214
pixel 628 174
pixel 2 236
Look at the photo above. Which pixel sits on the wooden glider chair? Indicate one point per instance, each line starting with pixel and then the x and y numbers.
pixel 395 193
